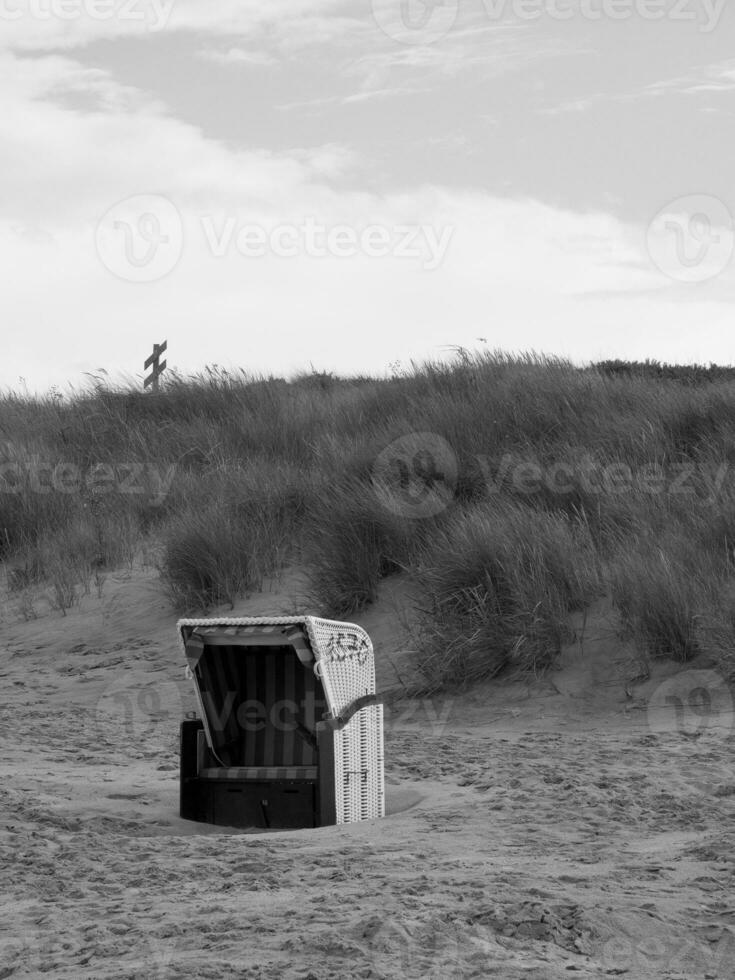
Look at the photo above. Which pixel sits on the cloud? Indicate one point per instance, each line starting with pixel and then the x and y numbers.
pixel 74 141
pixel 710 79
pixel 46 25
pixel 238 57
pixel 59 164
pixel 486 51
pixel 517 266
pixel 715 79
pixel 575 105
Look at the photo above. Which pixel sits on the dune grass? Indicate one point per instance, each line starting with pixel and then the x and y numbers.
pixel 498 584
pixel 230 527
pixel 563 483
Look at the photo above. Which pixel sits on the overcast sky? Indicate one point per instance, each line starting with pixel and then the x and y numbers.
pixel 350 185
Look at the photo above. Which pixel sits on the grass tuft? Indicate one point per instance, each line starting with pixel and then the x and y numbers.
pixel 498 585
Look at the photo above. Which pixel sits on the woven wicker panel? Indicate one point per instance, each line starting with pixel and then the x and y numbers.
pixel 360 767
pixel 341 764
pixel 346 665
pixel 346 662
pixel 374 794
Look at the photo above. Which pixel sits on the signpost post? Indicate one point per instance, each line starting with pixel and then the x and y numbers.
pixel 158 369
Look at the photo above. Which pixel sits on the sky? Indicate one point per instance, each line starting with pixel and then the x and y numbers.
pixel 352 186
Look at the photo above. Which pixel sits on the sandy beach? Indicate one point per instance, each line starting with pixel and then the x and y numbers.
pixel 570 825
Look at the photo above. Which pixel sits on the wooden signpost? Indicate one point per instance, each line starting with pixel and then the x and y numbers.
pixel 158 369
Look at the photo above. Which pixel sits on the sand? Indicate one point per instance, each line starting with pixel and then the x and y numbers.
pixel 575 825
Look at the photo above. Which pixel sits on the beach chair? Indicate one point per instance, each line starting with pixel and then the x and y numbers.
pixel 289 733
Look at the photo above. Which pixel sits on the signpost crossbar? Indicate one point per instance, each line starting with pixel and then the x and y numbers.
pixel 158 367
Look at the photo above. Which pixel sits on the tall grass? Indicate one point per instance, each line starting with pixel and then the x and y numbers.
pixel 232 527
pixel 664 600
pixel 353 541
pixel 498 584
pixel 236 475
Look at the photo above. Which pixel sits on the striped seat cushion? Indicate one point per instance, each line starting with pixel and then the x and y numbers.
pixel 261 772
pixel 262 703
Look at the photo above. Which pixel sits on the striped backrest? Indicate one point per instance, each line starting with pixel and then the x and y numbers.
pixel 262 704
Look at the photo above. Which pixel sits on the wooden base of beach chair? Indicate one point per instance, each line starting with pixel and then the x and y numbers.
pixel 257 797
pixel 267 805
